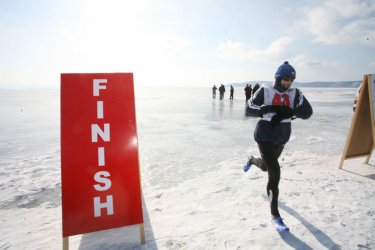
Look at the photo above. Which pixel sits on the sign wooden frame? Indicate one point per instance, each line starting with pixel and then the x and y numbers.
pixel 361 137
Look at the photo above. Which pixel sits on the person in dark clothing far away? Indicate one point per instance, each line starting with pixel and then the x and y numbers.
pixel 356 97
pixel 214 92
pixel 277 105
pixel 248 91
pixel 221 91
pixel 231 92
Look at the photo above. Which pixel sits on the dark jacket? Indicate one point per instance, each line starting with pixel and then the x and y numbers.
pixel 267 102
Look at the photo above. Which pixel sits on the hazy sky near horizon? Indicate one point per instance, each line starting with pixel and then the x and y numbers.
pixel 185 43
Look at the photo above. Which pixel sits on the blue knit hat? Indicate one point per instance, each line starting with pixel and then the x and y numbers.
pixel 285 70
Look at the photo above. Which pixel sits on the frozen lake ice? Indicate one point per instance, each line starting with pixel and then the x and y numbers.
pixel 186 132
pixel 192 148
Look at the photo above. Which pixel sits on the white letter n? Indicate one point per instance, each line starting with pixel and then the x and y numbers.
pixel 96 130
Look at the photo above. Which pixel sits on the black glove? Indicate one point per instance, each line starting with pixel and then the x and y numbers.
pixel 285 111
pixel 276 119
pixel 282 112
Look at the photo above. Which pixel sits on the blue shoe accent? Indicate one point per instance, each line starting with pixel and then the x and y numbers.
pixel 247 165
pixel 279 225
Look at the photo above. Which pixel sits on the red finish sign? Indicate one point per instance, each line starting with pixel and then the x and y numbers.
pixel 99 153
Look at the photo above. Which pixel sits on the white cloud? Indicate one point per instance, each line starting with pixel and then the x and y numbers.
pixel 277 50
pixel 305 61
pixel 341 22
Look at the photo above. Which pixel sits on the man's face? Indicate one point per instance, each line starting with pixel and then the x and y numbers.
pixel 286 82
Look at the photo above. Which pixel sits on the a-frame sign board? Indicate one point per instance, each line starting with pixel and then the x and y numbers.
pixel 100 173
pixel 361 138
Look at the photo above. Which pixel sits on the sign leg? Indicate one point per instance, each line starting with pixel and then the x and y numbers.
pixel 66 243
pixel 368 157
pixel 142 232
pixel 341 162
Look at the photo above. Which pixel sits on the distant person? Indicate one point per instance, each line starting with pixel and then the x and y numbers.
pixel 356 97
pixel 247 92
pixel 214 92
pixel 256 87
pixel 231 92
pixel 276 105
pixel 221 91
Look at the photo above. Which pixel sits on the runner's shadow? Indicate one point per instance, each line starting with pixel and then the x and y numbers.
pixel 121 238
pixel 293 241
pixel 324 239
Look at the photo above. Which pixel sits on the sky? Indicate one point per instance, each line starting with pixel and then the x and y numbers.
pixel 185 43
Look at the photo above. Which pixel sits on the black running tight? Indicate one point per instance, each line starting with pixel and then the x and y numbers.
pixel 270 153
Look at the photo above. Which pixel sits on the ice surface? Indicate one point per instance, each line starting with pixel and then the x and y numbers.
pixel 204 131
pixel 196 196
